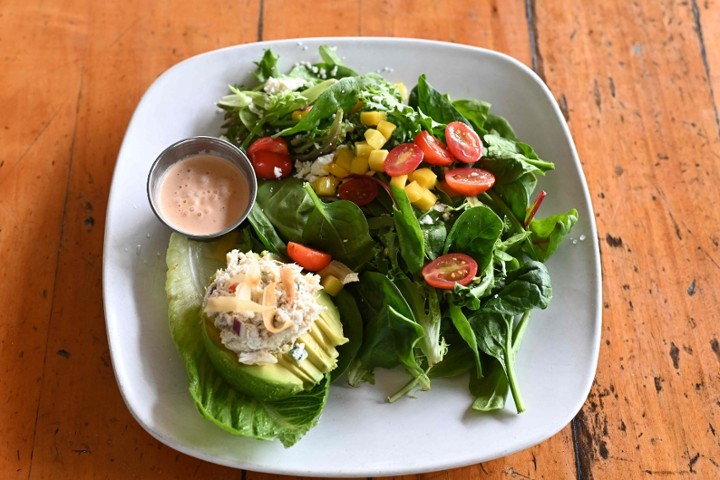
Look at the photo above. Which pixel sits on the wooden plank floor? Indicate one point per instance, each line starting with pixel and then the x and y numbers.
pixel 639 83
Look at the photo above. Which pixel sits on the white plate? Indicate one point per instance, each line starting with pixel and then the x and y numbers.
pixel 359 434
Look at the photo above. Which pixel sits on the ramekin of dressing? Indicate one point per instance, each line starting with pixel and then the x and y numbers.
pixel 202 187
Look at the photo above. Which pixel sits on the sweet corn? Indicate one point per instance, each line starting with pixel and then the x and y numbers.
pixel 386 128
pixel 398 181
pixel 343 157
pixel 424 176
pixel 414 191
pixel 338 170
pixel 331 284
pixel 372 118
pixel 362 149
pixel 325 186
pixel 359 165
pixel 376 160
pixel 374 138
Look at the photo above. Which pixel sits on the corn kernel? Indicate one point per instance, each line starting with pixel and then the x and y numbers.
pixel 426 201
pixel 414 191
pixel 372 118
pixel 374 138
pixel 398 181
pixel 386 128
pixel 359 165
pixel 325 186
pixel 362 149
pixel 424 176
pixel 343 157
pixel 337 170
pixel 376 160
pixel 331 284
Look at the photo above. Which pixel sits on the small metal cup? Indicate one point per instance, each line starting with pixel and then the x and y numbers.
pixel 194 146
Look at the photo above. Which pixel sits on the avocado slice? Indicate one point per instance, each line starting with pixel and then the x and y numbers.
pixel 289 376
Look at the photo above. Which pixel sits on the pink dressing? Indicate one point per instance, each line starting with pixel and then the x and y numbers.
pixel 203 194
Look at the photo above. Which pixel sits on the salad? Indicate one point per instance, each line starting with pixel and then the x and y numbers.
pixel 417 213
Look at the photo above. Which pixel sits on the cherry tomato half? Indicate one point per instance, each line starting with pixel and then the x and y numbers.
pixel 403 159
pixel 447 270
pixel 359 190
pixel 463 142
pixel 308 258
pixel 434 152
pixel 270 165
pixel 469 181
pixel 277 145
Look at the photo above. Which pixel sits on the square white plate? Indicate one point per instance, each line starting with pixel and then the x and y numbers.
pixel 359 433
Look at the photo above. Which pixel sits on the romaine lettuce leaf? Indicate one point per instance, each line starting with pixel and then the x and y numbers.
pixel 190 264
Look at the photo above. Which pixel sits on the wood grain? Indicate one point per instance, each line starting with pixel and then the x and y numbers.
pixel 639 83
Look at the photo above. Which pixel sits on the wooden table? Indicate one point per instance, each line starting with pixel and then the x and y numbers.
pixel 639 83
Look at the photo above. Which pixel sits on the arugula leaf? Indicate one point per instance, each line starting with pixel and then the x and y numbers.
pixel 267 66
pixel 341 95
pixel 425 305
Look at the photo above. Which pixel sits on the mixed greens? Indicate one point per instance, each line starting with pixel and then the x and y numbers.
pixel 396 239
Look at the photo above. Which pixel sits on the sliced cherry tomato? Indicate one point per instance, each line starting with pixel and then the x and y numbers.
pixel 308 258
pixel 434 151
pixel 359 189
pixel 449 269
pixel 469 181
pixel 403 159
pixel 270 165
pixel 463 142
pixel 277 145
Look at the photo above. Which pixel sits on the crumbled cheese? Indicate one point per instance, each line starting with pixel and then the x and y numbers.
pixel 298 352
pixel 427 220
pixel 277 171
pixel 273 85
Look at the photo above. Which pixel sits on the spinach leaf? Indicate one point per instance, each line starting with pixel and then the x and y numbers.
pixel 475 111
pixel 390 333
pixel 475 233
pixel 410 238
pixel 500 126
pixel 352 330
pixel 525 289
pixel 434 104
pixel 516 194
pixel 339 228
pixel 462 325
pixel 266 232
pixel 508 160
pixel 491 389
pixel 286 205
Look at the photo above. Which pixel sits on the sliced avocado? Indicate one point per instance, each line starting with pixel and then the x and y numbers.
pixel 289 376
